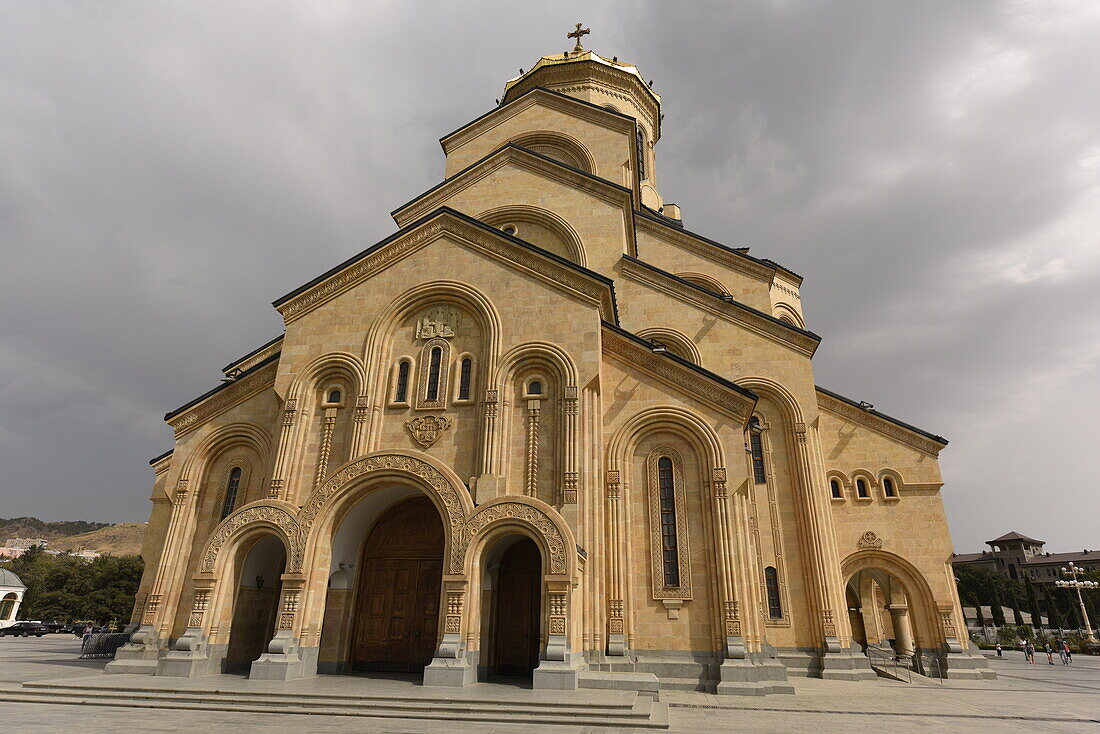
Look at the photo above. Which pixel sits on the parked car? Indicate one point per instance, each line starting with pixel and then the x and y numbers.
pixel 24 629
pixel 54 626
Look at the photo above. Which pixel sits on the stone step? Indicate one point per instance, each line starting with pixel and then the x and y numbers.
pixel 620 681
pixel 688 684
pixel 642 712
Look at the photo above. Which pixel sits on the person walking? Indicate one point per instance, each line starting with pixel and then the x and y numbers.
pixel 1069 653
pixel 999 650
pixel 1029 652
pixel 1050 653
pixel 1061 651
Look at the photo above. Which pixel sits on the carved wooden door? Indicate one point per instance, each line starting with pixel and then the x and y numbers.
pixel 397 609
pixel 518 610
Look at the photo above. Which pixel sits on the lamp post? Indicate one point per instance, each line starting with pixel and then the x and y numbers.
pixel 1073 571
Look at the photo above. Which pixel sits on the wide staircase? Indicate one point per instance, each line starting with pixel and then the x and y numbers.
pixel 482 702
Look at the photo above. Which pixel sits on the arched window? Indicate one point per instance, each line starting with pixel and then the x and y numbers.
pixel 861 489
pixel 534 388
pixel 771 583
pixel 756 448
pixel 834 487
pixel 669 552
pixel 641 155
pixel 334 396
pixel 432 393
pixel 888 487
pixel 231 489
pixel 401 392
pixel 465 372
pixel 7 606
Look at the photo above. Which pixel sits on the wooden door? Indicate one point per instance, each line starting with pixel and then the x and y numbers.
pixel 397 607
pixel 518 610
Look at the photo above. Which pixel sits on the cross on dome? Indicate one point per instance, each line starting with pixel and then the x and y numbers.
pixel 577 35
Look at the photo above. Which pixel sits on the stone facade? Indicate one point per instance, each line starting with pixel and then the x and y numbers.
pixel 546 353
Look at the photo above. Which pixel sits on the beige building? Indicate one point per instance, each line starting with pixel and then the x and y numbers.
pixel 545 430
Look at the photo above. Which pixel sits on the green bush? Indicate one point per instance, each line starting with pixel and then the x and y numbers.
pixel 66 588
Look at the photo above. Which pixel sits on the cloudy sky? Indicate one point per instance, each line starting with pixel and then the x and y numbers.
pixel 933 169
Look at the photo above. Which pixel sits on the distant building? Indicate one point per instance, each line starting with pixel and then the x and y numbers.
pixel 11 596
pixel 25 543
pixel 1018 556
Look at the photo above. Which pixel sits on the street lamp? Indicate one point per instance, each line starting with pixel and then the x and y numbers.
pixel 1073 571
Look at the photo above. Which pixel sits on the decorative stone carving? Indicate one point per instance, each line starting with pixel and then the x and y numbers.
pixel 427 429
pixel 529 515
pixel 421 470
pixel 181 491
pixel 262 513
pixel 290 609
pixel 827 622
pixel 437 322
pixel 718 479
pixel 732 619
pixel 869 540
pixel 453 622
pixel 569 495
pixel 152 605
pixel 656 555
pixel 613 484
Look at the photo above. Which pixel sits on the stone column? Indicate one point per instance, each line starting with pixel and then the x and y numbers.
pixel 569 467
pixel 451 665
pixel 277 490
pixel 559 669
pixel 328 425
pixel 616 632
pixel 191 655
pixel 285 659
pixel 359 427
pixel 903 632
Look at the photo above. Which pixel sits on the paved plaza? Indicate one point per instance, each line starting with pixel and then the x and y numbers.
pixel 1025 698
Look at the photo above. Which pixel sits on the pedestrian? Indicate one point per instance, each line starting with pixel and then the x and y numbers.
pixel 1050 653
pixel 1029 652
pixel 1069 653
pixel 1061 651
pixel 999 650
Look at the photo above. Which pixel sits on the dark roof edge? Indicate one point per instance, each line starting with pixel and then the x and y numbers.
pixel 685 362
pixel 895 421
pixel 739 251
pixel 531 91
pixel 440 211
pixel 255 351
pixel 732 302
pixel 210 393
pixel 158 459
pixel 497 151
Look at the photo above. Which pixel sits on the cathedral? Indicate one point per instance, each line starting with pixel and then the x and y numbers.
pixel 545 430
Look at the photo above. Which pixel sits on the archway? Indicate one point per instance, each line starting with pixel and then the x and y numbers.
pixel 880 612
pixel 513 580
pixel 396 616
pixel 256 601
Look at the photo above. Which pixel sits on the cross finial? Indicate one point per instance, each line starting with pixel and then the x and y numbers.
pixel 577 35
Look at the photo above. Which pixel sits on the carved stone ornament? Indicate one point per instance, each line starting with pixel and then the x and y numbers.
pixel 427 429
pixel 437 322
pixel 869 540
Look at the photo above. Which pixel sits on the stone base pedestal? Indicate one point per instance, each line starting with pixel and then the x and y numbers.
pixel 139 656
pixel 558 675
pixel 846 666
pixel 300 663
pixel 749 677
pixel 964 666
pixel 207 660
pixel 450 672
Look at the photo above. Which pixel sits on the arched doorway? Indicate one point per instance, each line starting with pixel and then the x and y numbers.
pixel 256 603
pixel 397 603
pixel 517 610
pixel 879 609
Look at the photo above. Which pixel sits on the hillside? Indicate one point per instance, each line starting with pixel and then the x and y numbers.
pixel 121 539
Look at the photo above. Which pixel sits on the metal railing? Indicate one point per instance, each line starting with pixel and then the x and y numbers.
pixel 899 667
pixel 102 644
pixel 928 666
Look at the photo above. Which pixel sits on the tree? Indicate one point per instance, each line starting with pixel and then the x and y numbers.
pixel 979 618
pixel 997 610
pixel 67 588
pixel 1032 604
pixel 1014 602
pixel 1054 616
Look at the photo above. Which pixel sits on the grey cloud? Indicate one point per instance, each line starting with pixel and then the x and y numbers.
pixel 933 169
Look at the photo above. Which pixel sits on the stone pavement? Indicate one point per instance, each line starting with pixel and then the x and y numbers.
pixel 1025 698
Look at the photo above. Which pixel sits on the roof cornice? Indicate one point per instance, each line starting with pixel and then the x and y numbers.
pixel 253 358
pixel 223 397
pixel 479 236
pixel 734 258
pixel 539 95
pixel 689 378
pixel 900 431
pixel 790 336
pixel 522 157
